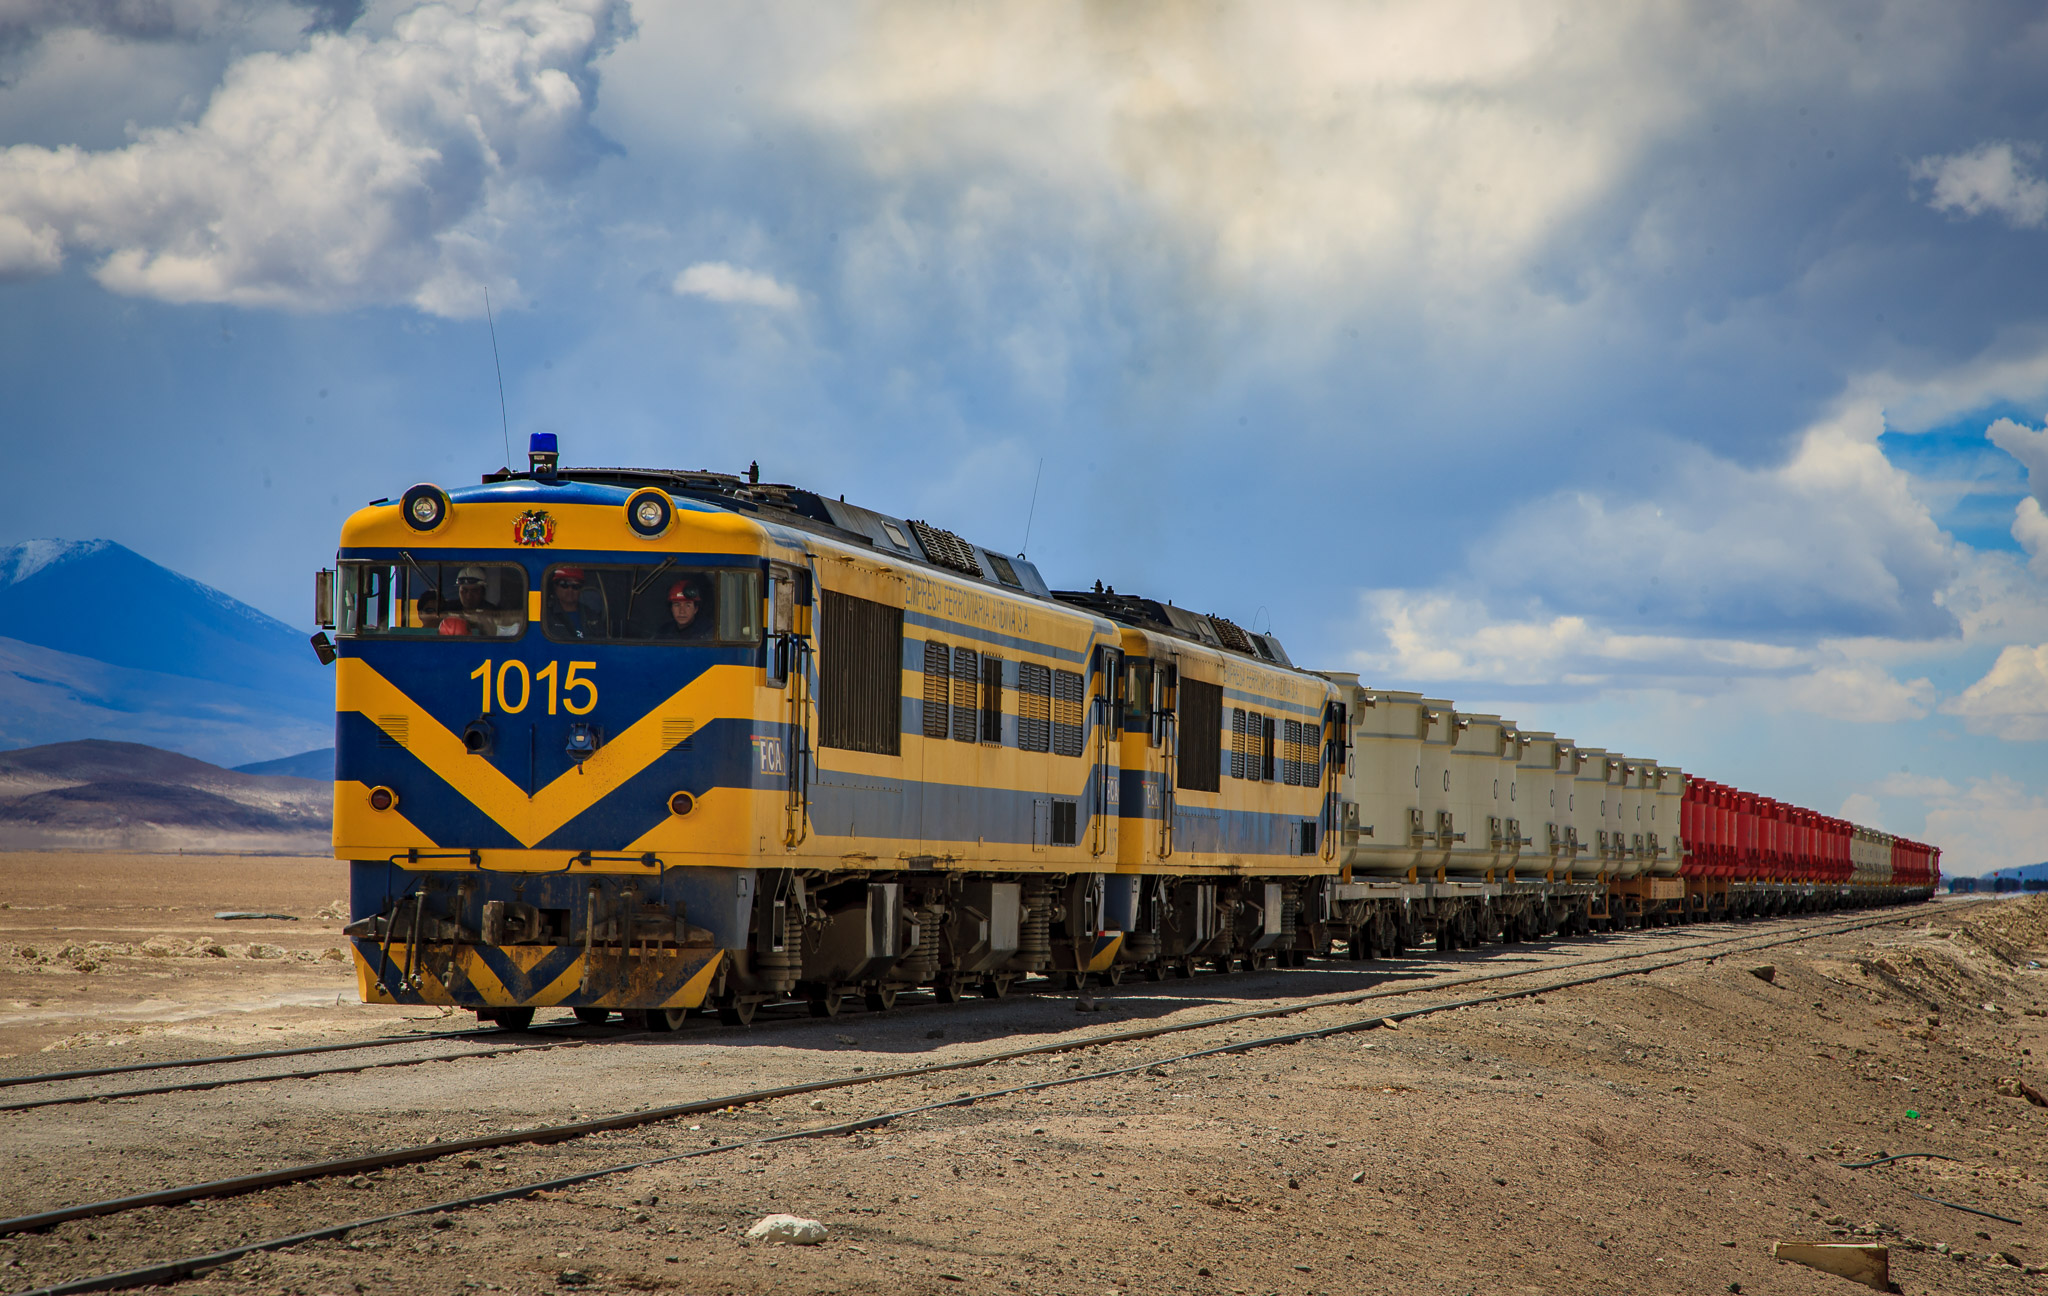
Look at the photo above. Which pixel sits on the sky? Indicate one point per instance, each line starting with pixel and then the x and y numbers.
pixel 1669 376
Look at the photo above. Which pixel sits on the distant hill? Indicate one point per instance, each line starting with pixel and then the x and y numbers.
pixel 97 795
pixel 2031 872
pixel 97 641
pixel 317 764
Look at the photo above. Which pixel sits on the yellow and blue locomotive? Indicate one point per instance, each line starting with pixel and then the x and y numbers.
pixel 652 741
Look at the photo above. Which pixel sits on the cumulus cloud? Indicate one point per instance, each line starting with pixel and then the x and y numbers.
pixel 1830 543
pixel 1994 823
pixel 1993 177
pixel 719 282
pixel 2011 701
pixel 360 168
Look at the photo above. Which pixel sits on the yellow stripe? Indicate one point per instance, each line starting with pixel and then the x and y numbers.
pixel 693 991
pixel 720 691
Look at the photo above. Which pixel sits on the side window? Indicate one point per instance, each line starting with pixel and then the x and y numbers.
pixel 1069 714
pixel 991 699
pixel 430 600
pixel 938 688
pixel 1237 742
pixel 1265 748
pixel 966 685
pixel 1034 707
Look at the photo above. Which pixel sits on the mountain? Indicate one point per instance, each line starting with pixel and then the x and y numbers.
pixel 96 795
pixel 316 764
pixel 97 641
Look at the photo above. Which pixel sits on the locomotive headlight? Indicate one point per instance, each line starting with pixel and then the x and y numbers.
pixel 383 798
pixel 425 507
pixel 681 804
pixel 649 513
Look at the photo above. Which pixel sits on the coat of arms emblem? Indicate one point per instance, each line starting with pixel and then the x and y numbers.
pixel 534 527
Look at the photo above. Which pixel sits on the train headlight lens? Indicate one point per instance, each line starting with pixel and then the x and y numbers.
pixel 649 513
pixel 425 507
pixel 382 798
pixel 681 804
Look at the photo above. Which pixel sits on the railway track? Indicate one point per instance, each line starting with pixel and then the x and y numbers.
pixel 202 1084
pixel 1559 977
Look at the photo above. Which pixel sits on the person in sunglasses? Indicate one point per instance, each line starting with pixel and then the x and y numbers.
pixel 567 617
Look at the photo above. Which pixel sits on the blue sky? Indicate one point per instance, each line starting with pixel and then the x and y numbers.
pixel 1667 376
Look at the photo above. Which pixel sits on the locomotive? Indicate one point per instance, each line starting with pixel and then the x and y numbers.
pixel 654 742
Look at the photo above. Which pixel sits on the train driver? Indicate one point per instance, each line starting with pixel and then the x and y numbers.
pixel 483 616
pixel 688 619
pixel 567 617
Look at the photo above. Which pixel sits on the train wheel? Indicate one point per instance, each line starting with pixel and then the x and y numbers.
pixel 949 988
pixel 1114 975
pixel 593 1016
pixel 881 998
pixel 512 1018
pixel 738 1012
pixel 1183 968
pixel 996 985
pixel 825 1003
pixel 1155 970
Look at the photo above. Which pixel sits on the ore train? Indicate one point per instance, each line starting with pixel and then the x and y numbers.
pixel 649 742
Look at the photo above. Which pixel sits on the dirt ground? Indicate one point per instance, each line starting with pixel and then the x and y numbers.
pixel 1645 1135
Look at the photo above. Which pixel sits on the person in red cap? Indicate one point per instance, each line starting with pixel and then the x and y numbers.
pixel 688 618
pixel 567 618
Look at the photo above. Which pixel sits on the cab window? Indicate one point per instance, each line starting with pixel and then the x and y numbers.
pixel 651 603
pixel 426 600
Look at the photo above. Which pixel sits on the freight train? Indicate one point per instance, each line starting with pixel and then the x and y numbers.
pixel 654 742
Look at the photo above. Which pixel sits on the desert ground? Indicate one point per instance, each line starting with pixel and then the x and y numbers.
pixel 1649 1134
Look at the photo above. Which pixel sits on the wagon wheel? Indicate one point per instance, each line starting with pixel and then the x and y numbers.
pixel 593 1016
pixel 881 998
pixel 738 1011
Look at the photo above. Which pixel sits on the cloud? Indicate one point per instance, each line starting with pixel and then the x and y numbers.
pixel 2028 445
pixel 1989 178
pixel 719 282
pixel 2030 528
pixel 357 169
pixel 1995 823
pixel 2011 701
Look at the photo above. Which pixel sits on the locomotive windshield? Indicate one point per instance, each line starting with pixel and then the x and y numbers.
pixel 425 599
pixel 651 603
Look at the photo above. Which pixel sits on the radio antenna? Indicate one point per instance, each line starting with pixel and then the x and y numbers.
pixel 504 423
pixel 1034 506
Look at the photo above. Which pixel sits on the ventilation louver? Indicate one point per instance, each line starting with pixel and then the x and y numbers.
pixel 1232 635
pixel 946 549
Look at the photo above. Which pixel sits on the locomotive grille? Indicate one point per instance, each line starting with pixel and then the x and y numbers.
pixel 1034 707
pixel 938 673
pixel 966 706
pixel 1201 736
pixel 946 549
pixel 860 676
